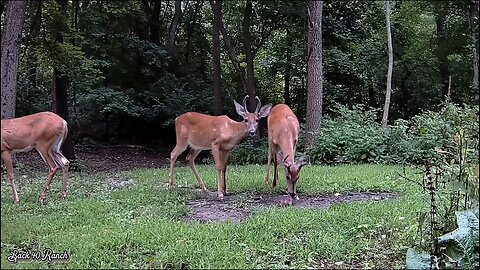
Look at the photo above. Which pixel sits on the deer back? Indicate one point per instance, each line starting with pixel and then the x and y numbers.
pixel 26 132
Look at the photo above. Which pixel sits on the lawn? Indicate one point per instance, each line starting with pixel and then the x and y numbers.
pixel 130 220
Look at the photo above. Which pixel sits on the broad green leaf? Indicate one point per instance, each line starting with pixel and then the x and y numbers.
pixel 417 260
pixel 461 242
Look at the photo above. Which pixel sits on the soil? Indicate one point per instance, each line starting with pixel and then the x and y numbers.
pixel 238 207
pixel 100 159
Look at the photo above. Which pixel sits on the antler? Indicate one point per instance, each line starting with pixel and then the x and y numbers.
pixel 245 103
pixel 258 104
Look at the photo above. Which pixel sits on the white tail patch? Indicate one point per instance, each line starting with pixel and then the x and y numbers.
pixel 57 154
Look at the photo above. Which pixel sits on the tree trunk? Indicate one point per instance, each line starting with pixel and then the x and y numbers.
pixel 247 43
pixel 217 76
pixel 31 73
pixel 174 26
pixel 371 94
pixel 473 13
pixel 190 28
pixel 60 89
pixel 155 22
pixel 315 74
pixel 388 93
pixel 441 50
pixel 11 40
pixel 288 70
pixel 233 57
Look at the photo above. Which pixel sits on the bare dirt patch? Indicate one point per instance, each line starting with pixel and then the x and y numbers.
pixel 238 207
pixel 98 159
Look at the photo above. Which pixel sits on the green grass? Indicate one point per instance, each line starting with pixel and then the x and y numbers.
pixel 140 226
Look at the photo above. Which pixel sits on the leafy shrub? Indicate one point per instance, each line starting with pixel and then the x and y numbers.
pixel 354 135
pixel 249 152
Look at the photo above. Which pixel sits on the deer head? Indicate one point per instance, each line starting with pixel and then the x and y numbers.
pixel 251 119
pixel 292 170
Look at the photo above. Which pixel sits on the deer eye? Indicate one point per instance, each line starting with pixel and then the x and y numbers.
pixel 256 120
pixel 245 120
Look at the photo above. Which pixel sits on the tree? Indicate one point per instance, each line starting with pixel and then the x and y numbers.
pixel 60 88
pixel 233 56
pixel 288 70
pixel 388 93
pixel 315 73
pixel 174 27
pixel 11 39
pixel 249 55
pixel 442 45
pixel 473 12
pixel 217 76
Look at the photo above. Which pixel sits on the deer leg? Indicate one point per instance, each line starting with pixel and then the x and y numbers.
pixel 224 159
pixel 269 159
pixel 7 159
pixel 192 155
pixel 65 165
pixel 179 148
pixel 218 167
pixel 52 169
pixel 275 170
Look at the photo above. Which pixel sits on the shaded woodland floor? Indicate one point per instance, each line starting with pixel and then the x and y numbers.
pixel 99 159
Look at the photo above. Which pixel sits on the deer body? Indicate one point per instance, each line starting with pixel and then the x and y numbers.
pixel 202 131
pixel 45 132
pixel 283 130
pixel 217 133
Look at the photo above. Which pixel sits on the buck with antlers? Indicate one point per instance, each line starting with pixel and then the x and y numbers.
pixel 44 131
pixel 218 133
pixel 283 129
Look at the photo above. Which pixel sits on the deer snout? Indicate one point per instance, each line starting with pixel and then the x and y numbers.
pixel 251 132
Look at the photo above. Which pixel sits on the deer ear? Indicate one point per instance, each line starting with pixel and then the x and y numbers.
pixel 304 160
pixel 264 111
pixel 240 109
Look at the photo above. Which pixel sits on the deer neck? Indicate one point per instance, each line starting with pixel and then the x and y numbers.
pixel 240 130
pixel 291 155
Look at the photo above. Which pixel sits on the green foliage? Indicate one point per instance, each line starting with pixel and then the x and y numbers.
pixel 249 152
pixel 452 182
pixel 461 245
pixel 355 136
pixel 104 102
pixel 172 96
pixel 122 47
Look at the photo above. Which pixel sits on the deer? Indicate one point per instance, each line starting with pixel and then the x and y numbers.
pixel 220 134
pixel 44 132
pixel 283 130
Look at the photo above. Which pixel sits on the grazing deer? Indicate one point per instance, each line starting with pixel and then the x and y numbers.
pixel 44 131
pixel 283 129
pixel 218 133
